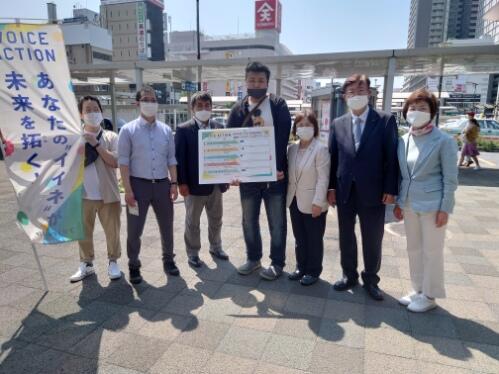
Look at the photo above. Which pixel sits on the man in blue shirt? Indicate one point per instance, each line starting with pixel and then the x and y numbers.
pixel 146 150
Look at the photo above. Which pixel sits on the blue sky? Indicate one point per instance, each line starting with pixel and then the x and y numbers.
pixel 309 26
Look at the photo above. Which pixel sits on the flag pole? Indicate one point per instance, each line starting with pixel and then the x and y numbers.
pixel 44 280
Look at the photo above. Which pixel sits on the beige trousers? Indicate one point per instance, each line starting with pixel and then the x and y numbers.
pixel 109 217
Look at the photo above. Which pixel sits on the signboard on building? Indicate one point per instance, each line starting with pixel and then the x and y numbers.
pixel 463 98
pixel 268 15
pixel 141 31
pixel 432 83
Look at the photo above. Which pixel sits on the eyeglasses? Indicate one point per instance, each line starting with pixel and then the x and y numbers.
pixel 351 93
pixel 148 100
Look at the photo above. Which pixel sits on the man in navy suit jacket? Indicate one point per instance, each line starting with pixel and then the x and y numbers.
pixel 364 177
pixel 198 196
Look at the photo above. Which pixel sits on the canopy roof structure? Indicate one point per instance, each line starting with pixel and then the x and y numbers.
pixel 420 61
pixel 440 61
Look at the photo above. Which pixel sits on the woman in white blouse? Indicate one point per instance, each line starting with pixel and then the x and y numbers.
pixel 309 164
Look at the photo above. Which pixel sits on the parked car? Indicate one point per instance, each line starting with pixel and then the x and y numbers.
pixel 488 127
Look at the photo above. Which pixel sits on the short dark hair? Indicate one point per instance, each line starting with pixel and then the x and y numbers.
pixel 144 89
pixel 257 67
pixel 310 116
pixel 88 98
pixel 354 79
pixel 201 96
pixel 421 95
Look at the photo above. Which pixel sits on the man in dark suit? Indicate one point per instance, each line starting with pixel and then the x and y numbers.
pixel 198 196
pixel 363 179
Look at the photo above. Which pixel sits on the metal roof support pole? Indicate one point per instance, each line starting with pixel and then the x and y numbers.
pixel 139 78
pixel 388 84
pixel 200 78
pixel 440 84
pixel 278 80
pixel 112 91
pixel 496 107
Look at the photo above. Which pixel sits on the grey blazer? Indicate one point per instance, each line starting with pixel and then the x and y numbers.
pixel 431 185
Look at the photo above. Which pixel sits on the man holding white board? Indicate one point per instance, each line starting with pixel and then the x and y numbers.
pixel 261 109
pixel 198 197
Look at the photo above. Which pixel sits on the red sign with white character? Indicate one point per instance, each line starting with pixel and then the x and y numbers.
pixel 268 15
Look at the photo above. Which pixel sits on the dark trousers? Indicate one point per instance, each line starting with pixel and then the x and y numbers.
pixel 309 240
pixel 274 197
pixel 158 195
pixel 372 228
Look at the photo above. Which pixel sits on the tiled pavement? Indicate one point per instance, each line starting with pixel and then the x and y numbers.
pixel 215 321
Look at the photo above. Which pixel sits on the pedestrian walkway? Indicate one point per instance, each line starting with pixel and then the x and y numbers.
pixel 213 320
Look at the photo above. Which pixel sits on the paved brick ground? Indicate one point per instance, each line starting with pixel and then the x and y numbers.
pixel 215 321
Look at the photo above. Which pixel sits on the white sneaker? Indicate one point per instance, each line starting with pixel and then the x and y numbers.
pixel 409 298
pixel 478 168
pixel 422 304
pixel 83 271
pixel 113 270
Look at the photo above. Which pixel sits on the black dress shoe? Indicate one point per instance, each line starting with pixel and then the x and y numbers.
pixel 171 268
pixel 219 253
pixel 345 284
pixel 373 291
pixel 135 277
pixel 195 261
pixel 308 280
pixel 295 275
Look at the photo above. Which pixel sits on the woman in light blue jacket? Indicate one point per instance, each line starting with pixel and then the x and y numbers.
pixel 428 168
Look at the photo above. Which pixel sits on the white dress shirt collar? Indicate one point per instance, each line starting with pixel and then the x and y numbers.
pixel 201 125
pixel 143 122
pixel 363 116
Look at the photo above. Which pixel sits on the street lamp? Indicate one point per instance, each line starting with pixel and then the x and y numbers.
pixel 199 45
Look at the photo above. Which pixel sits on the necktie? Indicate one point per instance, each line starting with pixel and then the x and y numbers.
pixel 357 132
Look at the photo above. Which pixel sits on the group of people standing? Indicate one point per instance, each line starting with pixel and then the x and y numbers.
pixel 365 167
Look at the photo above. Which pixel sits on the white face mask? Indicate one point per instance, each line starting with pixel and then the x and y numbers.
pixel 305 133
pixel 92 119
pixel 203 115
pixel 149 109
pixel 418 119
pixel 357 102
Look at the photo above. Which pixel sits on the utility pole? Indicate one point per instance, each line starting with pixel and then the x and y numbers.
pixel 199 44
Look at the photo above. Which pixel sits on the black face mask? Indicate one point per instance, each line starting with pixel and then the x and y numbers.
pixel 257 93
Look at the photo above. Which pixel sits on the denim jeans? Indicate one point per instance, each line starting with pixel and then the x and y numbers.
pixel 274 197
